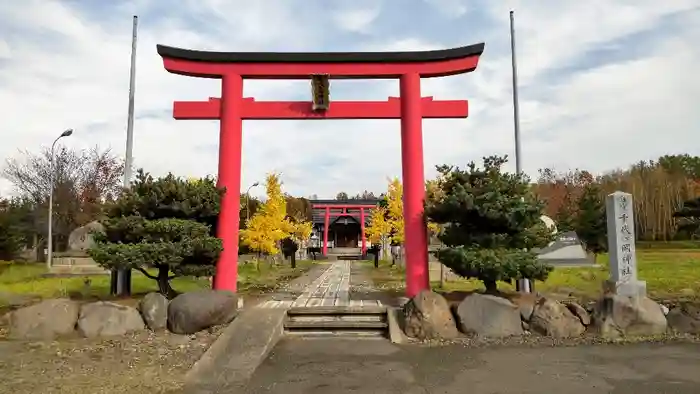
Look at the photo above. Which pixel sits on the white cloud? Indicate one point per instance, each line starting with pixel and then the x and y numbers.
pixel 449 8
pixel 357 16
pixel 60 68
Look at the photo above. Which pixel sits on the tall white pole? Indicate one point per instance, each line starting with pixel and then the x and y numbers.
pixel 516 107
pixel 128 161
pixel 122 281
pixel 523 284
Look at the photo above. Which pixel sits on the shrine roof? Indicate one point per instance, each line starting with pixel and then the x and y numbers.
pixel 322 57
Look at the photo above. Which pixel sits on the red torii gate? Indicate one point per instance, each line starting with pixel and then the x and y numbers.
pixel 232 108
pixel 343 212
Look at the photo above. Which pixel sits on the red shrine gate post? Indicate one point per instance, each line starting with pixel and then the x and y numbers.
pixel 232 108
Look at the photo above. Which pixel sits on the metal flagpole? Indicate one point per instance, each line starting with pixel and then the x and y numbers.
pixel 121 278
pixel 523 284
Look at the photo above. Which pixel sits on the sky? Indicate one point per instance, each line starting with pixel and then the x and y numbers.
pixel 602 83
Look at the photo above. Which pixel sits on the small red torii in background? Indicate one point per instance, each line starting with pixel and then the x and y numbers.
pixel 232 108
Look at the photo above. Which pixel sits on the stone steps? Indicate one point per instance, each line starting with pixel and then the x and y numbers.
pixel 353 321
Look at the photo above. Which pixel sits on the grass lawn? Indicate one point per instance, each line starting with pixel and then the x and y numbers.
pixel 669 273
pixel 28 279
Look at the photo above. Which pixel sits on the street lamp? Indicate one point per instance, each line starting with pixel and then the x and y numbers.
pixel 49 258
pixel 247 200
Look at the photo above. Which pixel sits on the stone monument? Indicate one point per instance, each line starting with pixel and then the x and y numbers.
pixel 75 260
pixel 621 246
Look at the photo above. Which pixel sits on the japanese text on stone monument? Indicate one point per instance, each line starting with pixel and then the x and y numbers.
pixel 620 215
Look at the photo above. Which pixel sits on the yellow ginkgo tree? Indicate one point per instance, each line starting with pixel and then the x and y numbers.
pixel 265 229
pixel 270 225
pixel 299 233
pixel 394 207
pixel 378 232
pixel 386 226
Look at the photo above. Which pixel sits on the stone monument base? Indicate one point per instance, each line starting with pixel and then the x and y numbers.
pixel 75 264
pixel 631 288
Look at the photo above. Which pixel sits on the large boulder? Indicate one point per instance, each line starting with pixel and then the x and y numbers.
pixel 195 311
pixel 489 316
pixel 554 319
pixel 81 239
pixel 45 320
pixel 154 310
pixel 685 318
pixel 428 316
pixel 101 319
pixel 616 315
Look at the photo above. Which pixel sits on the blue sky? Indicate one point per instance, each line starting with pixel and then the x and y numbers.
pixel 603 83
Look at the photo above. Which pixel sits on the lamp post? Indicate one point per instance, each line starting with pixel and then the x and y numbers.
pixel 49 258
pixel 247 200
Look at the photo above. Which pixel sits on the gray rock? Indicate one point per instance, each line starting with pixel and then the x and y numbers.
pixel 195 311
pixel 154 310
pixel 489 316
pixel 45 320
pixel 428 316
pixel 554 319
pixel 579 312
pixel 15 301
pixel 81 239
pixel 101 319
pixel 617 315
pixel 685 319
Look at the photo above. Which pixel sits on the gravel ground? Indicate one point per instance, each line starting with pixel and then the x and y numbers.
pixel 144 362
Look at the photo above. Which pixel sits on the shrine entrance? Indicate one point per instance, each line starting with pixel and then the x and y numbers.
pixel 346 232
pixel 232 68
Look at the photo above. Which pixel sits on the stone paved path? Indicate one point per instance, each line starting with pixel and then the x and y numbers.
pixel 332 288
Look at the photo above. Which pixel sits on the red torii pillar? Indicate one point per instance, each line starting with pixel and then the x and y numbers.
pixel 232 108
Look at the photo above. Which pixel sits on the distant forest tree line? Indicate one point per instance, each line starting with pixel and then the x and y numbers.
pixel 86 181
pixel 660 188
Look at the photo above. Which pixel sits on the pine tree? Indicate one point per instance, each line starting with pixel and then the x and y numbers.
pixel 166 224
pixel 490 221
pixel 590 224
pixel 565 219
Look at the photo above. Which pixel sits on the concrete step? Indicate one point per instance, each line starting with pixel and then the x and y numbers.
pixel 338 333
pixel 345 318
pixel 337 310
pixel 354 321
pixel 350 258
pixel 346 325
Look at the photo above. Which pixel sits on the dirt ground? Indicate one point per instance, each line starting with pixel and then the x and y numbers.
pixel 144 362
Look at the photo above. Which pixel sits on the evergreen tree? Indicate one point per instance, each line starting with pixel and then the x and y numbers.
pixel 590 224
pixel 689 218
pixel 565 219
pixel 490 222
pixel 166 224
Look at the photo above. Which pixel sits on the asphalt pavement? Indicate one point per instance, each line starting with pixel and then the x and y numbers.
pixel 315 366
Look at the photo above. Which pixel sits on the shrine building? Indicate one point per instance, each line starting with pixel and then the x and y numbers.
pixel 340 224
